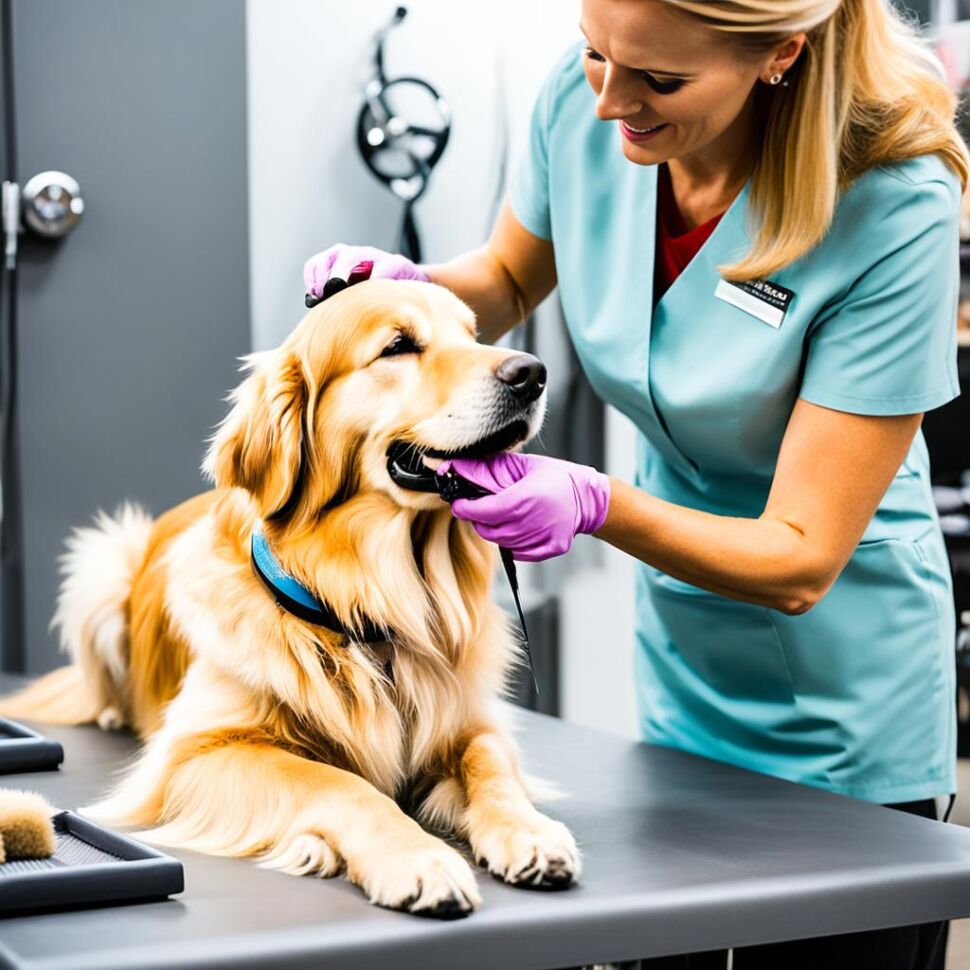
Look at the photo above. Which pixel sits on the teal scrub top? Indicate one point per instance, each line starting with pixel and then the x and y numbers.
pixel 856 695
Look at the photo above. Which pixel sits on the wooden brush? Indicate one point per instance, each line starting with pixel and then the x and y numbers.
pixel 26 829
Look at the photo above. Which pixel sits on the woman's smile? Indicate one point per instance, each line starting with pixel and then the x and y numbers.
pixel 640 134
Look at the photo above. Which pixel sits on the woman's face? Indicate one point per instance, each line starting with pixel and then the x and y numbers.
pixel 653 67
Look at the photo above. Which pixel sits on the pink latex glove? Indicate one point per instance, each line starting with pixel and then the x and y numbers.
pixel 540 503
pixel 341 260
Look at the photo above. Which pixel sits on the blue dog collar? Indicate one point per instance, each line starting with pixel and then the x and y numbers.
pixel 291 595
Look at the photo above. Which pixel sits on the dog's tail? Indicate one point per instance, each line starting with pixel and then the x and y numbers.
pixel 92 609
pixel 60 697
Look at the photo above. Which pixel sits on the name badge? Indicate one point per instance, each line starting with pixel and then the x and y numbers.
pixel 763 299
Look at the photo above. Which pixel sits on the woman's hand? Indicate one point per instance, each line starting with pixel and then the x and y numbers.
pixel 342 261
pixel 539 505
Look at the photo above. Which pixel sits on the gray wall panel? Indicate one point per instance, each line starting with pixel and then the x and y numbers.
pixel 130 328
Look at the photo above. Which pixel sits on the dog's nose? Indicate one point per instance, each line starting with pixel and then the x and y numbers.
pixel 524 375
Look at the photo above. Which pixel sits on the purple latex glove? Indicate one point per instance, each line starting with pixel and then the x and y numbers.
pixel 539 505
pixel 341 260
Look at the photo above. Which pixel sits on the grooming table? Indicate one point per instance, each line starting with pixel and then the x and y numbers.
pixel 680 855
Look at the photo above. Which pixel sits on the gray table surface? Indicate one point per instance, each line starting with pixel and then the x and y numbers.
pixel 680 854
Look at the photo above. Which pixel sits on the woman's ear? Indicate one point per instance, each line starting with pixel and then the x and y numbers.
pixel 259 445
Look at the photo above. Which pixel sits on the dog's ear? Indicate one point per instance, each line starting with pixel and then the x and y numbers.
pixel 259 445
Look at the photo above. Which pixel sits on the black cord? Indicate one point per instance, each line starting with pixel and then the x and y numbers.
pixel 13 645
pixel 409 241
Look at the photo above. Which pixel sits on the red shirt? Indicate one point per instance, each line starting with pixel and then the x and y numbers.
pixel 676 247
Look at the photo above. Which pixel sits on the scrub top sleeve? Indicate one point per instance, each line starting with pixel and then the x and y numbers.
pixel 888 346
pixel 529 192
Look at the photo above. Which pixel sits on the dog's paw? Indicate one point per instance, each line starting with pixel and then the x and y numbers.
pixel 111 719
pixel 430 881
pixel 534 853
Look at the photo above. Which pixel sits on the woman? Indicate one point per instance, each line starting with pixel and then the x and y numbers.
pixel 751 208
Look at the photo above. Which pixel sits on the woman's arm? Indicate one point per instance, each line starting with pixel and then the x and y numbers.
pixel 832 472
pixel 504 280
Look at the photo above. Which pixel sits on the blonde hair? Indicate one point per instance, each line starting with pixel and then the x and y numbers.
pixel 865 91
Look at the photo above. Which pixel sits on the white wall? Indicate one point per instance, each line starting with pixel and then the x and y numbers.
pixel 307 62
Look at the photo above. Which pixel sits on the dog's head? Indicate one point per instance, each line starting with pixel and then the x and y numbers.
pixel 382 368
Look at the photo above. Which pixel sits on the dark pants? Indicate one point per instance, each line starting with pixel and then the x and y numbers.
pixel 920 947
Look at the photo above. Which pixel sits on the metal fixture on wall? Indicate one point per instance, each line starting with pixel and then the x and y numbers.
pixel 50 204
pixel 402 153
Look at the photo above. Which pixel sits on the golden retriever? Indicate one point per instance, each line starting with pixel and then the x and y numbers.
pixel 265 734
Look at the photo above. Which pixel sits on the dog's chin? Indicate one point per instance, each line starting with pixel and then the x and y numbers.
pixel 411 464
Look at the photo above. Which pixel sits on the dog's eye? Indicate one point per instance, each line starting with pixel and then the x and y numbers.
pixel 401 344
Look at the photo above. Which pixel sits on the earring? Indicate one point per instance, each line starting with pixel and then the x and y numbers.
pixel 775 79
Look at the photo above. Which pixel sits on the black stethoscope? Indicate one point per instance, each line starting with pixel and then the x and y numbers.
pixel 400 152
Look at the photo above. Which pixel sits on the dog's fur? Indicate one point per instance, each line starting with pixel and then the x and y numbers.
pixel 264 734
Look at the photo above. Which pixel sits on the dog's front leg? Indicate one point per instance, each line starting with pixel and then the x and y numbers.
pixel 507 834
pixel 236 797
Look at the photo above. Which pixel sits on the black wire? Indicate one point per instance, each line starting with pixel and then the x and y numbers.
pixel 409 240
pixel 13 645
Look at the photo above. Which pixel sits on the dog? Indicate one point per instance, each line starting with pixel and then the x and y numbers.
pixel 269 735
